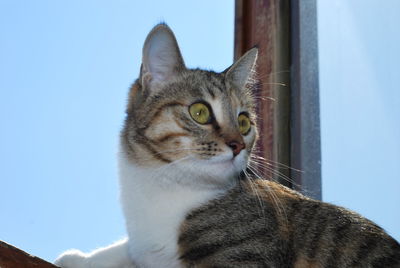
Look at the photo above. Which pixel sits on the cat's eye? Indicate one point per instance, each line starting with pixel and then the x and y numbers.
pixel 244 124
pixel 200 113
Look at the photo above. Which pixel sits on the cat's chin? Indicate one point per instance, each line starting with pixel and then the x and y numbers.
pixel 228 161
pixel 230 165
pixel 221 170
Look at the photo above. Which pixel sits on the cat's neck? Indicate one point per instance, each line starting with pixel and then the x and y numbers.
pixel 155 183
pixel 155 203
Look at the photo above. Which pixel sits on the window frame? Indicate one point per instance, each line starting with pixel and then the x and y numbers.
pixel 285 31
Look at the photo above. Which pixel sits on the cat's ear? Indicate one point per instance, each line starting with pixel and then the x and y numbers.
pixel 242 70
pixel 161 57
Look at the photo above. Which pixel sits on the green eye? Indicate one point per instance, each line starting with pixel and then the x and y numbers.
pixel 200 113
pixel 244 124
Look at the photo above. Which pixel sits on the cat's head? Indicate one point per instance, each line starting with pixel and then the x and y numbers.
pixel 192 121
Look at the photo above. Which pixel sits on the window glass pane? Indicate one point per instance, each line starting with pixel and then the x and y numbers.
pixel 360 107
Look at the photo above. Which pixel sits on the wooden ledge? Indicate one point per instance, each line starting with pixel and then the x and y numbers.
pixel 12 257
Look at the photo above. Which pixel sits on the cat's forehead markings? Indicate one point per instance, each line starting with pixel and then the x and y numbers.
pixel 218 109
pixel 210 92
pixel 236 102
pixel 216 84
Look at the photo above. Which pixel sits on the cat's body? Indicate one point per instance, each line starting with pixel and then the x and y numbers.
pixel 187 136
pixel 298 232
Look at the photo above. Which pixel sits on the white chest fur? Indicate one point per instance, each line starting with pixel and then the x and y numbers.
pixel 154 208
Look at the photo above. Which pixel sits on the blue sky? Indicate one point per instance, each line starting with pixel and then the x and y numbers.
pixel 360 107
pixel 65 70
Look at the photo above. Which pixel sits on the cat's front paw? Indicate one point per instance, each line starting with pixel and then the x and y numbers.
pixel 72 259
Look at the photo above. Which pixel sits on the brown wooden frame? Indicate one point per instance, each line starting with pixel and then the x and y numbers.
pixel 12 257
pixel 287 99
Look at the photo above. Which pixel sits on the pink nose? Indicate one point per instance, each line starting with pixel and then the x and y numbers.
pixel 236 147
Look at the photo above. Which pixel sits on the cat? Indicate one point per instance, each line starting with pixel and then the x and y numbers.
pixel 187 136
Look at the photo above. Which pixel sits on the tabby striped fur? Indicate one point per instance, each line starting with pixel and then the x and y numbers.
pixel 236 230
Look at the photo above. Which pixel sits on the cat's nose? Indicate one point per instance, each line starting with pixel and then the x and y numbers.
pixel 236 146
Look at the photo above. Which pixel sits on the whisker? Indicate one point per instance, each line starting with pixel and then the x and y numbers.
pixel 273 162
pixel 264 98
pixel 255 191
pixel 280 210
pixel 273 171
pixel 265 163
